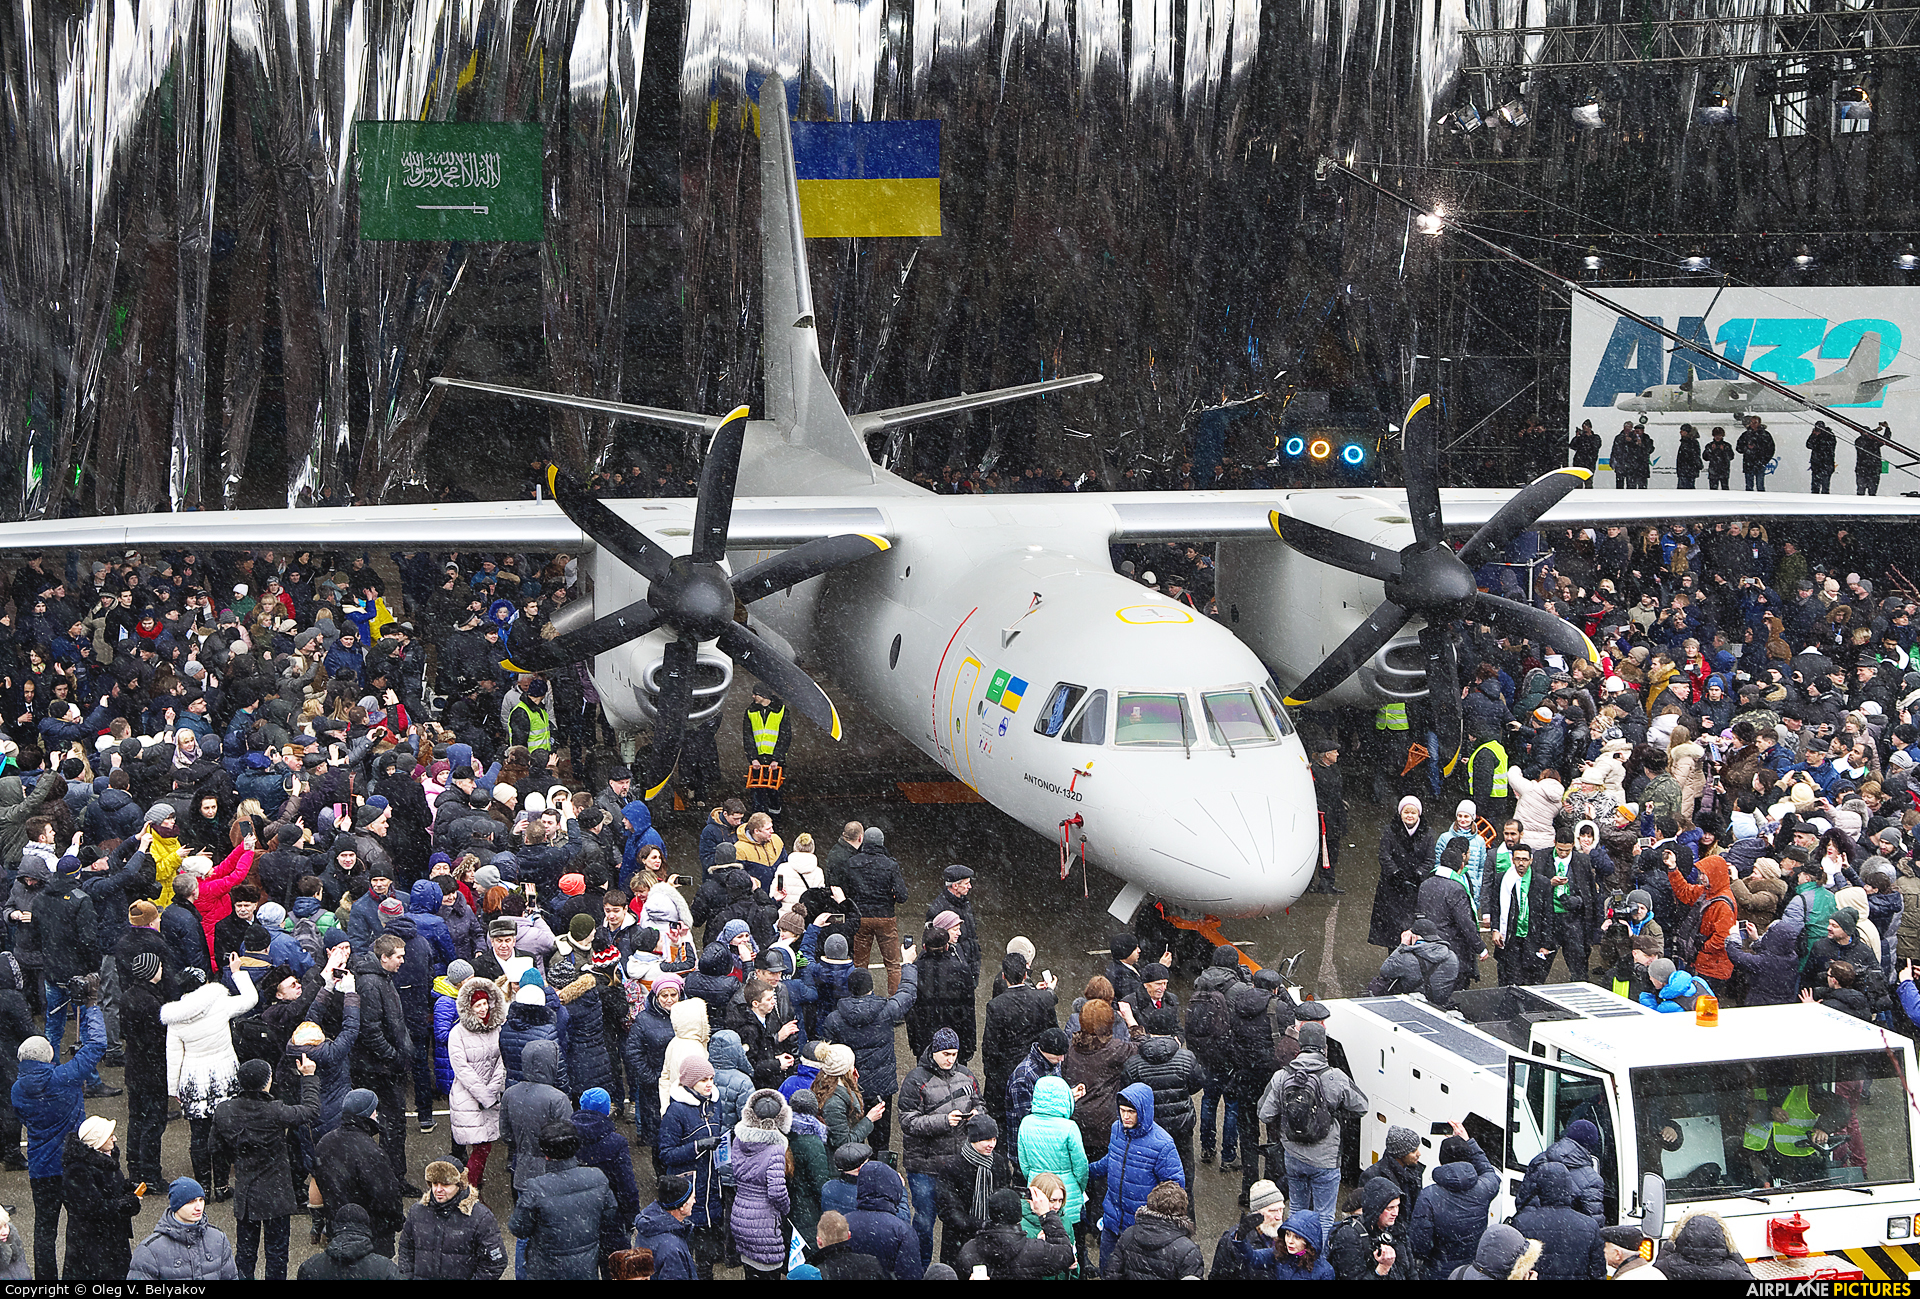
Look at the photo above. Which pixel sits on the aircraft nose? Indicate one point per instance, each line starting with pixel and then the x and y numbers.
pixel 1247 851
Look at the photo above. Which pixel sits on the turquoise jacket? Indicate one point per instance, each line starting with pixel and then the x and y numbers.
pixel 1056 1147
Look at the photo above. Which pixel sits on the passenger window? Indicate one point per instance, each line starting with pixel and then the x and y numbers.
pixel 1233 718
pixel 1089 725
pixel 1153 719
pixel 1059 707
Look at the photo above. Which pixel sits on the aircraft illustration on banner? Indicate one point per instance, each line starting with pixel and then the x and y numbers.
pixel 1856 383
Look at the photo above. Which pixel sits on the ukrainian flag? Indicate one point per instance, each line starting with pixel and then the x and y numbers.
pixel 866 179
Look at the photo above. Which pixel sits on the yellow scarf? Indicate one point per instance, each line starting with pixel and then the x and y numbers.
pixel 166 856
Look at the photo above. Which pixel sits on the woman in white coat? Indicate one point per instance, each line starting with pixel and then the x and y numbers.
pixel 690 1032
pixel 202 1068
pixel 479 1074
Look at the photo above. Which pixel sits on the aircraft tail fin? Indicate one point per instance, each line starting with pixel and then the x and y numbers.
pixel 1864 363
pixel 799 399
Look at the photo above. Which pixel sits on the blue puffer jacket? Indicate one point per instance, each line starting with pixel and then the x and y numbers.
pixel 1138 1159
pixel 1677 994
pixel 446 1013
pixel 423 904
pixel 866 1024
pixel 51 1102
pixel 589 1063
pixel 1451 1214
pixel 643 835
pixel 603 1147
pixel 528 1023
pixel 691 1118
pixel 646 1055
pixel 732 1076
pixel 877 1227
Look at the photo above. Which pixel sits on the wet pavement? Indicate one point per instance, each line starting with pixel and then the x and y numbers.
pixel 1017 890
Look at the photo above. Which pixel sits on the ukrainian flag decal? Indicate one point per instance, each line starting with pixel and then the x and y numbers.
pixel 867 179
pixel 1006 690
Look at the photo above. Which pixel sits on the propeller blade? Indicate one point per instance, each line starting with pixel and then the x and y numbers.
pixel 1420 465
pixel 670 708
pixel 713 513
pixel 1521 512
pixel 791 567
pixel 1336 548
pixel 627 543
pixel 782 674
pixel 1380 627
pixel 597 637
pixel 1536 624
pixel 1443 695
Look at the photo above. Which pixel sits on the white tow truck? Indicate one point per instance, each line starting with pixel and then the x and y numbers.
pixel 1796 1124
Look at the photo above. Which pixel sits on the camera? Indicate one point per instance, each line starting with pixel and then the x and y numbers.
pixel 1617 908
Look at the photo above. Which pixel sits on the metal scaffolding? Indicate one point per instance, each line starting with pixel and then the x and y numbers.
pixel 1790 32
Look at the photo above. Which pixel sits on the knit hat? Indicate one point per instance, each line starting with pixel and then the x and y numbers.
pixel 1640 898
pixel 834 950
pixel 981 1127
pixel 182 1191
pixel 580 928
pixel 197 866
pixel 391 907
pixel 1401 1141
pixel 145 966
pixel 792 925
pixel 155 815
pixel 803 1101
pixel 37 1049
pixel 948 921
pixel 458 972
pixel 143 913
pixel 255 1075
pixel 532 978
pixel 530 994
pixel 1849 920
pixel 573 886
pixel 1153 972
pixel 695 1069
pixel 359 1103
pixel 1123 945
pixel 486 877
pixel 1053 1041
pixel 1262 1194
pixel 596 1101
pixel 860 983
pixel 674 1191
pixel 97 1131
pixel 945 1039
pixel 1587 1133
pixel 836 1060
pixel 271 914
pixel 1659 970
pixel 1023 947
pixel 444 1172
pixel 1004 1206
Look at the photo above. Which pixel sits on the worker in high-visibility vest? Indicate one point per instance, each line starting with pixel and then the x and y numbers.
pixel 530 722
pixel 1392 735
pixel 765 733
pixel 1487 779
pixel 1788 1135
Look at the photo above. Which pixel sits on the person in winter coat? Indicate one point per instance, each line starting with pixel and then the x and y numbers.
pixel 251 1129
pixel 527 1108
pixel 732 1080
pixel 1007 1252
pixel 1702 1249
pixel 1157 1244
pixel 848 1116
pixel 691 1032
pixel 184 1246
pixel 1503 1254
pixel 1422 965
pixel 1371 1245
pixel 450 1235
pixel 967 1180
pixel 101 1206
pixel 690 1131
pixel 935 1102
pixel 1672 990
pixel 1097 1061
pixel 1451 1213
pixel 645 1053
pixel 1446 899
pixel 1050 1142
pixel 864 1020
pixel 662 1228
pixel 1140 1156
pixel 1571 1248
pixel 50 1100
pixel 567 1215
pixel 1299 1254
pixel 761 1199
pixel 713 984
pixel 479 1075
pixel 351 1169
pixel 1716 922
pixel 1406 858
pixel 1174 1074
pixel 603 1147
pixel 1769 962
pixel 1575 1153
pixel 351 1253
pixel 1538 803
pixel 1014 1022
pixel 589 1060
pixel 878 1228
pixel 812 1162
pixel 1313 1165
pixel 532 1018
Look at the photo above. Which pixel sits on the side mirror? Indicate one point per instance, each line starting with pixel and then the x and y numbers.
pixel 1653 1206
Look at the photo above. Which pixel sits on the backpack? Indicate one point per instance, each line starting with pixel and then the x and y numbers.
pixel 1304 1115
pixel 1208 1019
pixel 1688 943
pixel 254 1039
pixel 306 933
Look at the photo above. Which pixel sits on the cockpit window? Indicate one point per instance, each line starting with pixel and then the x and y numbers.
pixel 1233 718
pixel 1271 693
pixel 1089 725
pixel 1059 707
pixel 1153 719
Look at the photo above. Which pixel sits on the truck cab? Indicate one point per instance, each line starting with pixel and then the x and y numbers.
pixel 1792 1123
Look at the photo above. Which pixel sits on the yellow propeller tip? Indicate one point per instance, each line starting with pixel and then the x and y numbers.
pixel 655 791
pixel 738 412
pixel 880 543
pixel 511 666
pixel 553 479
pixel 1291 702
pixel 836 720
pixel 1577 472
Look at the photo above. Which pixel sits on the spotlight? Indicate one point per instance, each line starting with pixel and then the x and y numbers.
pixel 1592 260
pixel 1296 446
pixel 1353 453
pixel 1696 261
pixel 1589 113
pixel 1804 258
pixel 1467 118
pixel 1320 449
pixel 1855 103
pixel 1431 223
pixel 1514 113
pixel 1717 108
pixel 1908 260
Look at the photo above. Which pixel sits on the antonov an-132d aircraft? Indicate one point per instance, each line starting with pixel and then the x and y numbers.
pixel 991 631
pixel 1856 383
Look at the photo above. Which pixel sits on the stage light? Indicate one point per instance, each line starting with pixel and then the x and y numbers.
pixel 1320 449
pixel 1589 113
pixel 1804 258
pixel 1353 453
pixel 1592 260
pixel 1467 118
pixel 1296 446
pixel 1431 223
pixel 1697 262
pixel 1514 113
pixel 1855 103
pixel 1716 109
pixel 1908 260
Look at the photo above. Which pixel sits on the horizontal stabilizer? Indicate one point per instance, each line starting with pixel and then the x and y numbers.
pixel 880 420
pixel 674 419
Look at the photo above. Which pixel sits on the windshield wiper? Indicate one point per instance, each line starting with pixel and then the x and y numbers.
pixel 1826 1184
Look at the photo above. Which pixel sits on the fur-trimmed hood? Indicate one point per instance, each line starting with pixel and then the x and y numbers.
pixel 1702 1237
pixel 578 988
pixel 1504 1255
pixel 754 1130
pixel 482 1015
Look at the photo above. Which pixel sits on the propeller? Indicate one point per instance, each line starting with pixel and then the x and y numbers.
pixel 1426 579
pixel 692 596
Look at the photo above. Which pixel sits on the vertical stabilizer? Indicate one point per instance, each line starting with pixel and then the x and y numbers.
pixel 1864 363
pixel 798 397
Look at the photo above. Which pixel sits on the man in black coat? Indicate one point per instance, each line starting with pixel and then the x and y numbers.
pixel 252 1129
pixel 1443 900
pixel 383 1053
pixel 956 896
pixel 351 1169
pixel 1015 1020
pixel 1007 1252
pixel 450 1235
pixel 180 926
pixel 876 885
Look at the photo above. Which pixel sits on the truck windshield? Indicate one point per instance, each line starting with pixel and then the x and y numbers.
pixel 1798 1123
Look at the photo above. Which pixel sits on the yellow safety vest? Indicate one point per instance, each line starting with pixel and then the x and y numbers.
pixel 539 727
pixel 1390 716
pixel 1499 789
pixel 766 728
pixel 1791 1136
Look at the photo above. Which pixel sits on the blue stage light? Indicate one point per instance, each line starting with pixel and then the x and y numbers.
pixel 1296 446
pixel 1353 453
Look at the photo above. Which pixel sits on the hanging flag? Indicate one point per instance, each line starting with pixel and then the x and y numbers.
pixel 867 179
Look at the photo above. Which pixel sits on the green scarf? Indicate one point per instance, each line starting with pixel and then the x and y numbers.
pixel 1526 911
